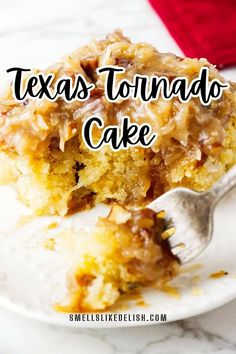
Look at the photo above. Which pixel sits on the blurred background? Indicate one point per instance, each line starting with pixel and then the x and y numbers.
pixel 37 33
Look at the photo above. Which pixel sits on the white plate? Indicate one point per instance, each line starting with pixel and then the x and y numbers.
pixel 32 279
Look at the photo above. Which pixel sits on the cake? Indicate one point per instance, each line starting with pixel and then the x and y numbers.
pixel 43 154
pixel 42 151
pixel 122 253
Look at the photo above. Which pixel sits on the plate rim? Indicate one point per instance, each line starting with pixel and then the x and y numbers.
pixel 59 321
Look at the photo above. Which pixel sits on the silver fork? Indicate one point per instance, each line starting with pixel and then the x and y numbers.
pixel 189 216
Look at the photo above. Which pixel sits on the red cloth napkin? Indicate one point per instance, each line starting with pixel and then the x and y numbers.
pixel 202 28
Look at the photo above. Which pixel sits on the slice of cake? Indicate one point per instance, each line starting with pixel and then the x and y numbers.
pixel 43 153
pixel 122 253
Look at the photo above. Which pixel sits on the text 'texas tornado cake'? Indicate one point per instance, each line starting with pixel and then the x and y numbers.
pixel 43 152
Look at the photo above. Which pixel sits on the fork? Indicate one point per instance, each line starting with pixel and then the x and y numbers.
pixel 189 216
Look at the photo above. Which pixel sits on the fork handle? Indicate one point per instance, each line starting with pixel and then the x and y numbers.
pixel 223 186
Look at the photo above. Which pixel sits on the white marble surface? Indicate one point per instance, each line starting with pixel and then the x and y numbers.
pixel 210 333
pixel 36 34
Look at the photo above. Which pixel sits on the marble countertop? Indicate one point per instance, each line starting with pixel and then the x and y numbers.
pixel 37 34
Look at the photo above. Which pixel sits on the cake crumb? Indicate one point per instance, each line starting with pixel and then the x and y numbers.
pixel 49 244
pixel 219 274
pixel 171 290
pixel 52 225
pixel 141 303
